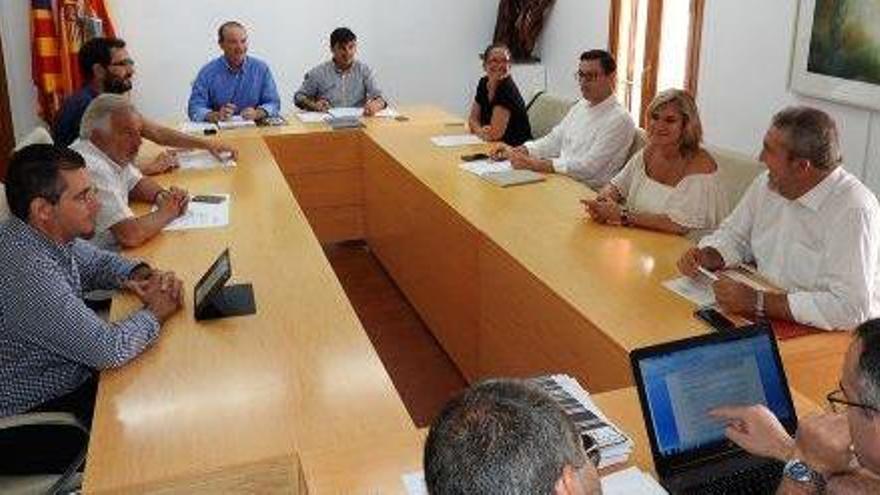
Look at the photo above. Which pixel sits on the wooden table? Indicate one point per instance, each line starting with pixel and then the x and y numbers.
pixel 513 282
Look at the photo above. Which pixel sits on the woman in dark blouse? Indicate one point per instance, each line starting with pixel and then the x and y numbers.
pixel 499 112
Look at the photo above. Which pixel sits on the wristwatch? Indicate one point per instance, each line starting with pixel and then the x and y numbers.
pixel 625 219
pixel 759 305
pixel 798 471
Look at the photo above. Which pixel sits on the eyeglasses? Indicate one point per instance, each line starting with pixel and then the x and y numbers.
pixel 587 76
pixel 839 402
pixel 126 62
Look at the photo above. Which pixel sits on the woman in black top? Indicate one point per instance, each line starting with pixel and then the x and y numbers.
pixel 499 112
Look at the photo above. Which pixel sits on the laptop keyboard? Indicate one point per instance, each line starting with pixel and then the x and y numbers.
pixel 758 480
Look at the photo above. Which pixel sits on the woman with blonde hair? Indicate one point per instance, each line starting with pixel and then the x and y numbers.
pixel 672 184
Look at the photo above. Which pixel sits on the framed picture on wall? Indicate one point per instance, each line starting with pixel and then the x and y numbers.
pixel 837 51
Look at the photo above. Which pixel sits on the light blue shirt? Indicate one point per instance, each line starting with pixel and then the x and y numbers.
pixel 218 83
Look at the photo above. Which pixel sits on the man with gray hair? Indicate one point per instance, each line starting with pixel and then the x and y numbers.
pixel 506 436
pixel 831 453
pixel 110 137
pixel 811 228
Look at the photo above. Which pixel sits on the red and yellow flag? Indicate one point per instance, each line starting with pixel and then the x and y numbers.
pixel 59 28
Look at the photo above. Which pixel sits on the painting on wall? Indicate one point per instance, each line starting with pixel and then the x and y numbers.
pixel 837 51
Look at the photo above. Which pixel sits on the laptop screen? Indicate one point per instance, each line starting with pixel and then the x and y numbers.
pixel 681 384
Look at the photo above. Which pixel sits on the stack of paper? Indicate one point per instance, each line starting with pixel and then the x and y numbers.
pixel 454 140
pixel 346 112
pixel 614 445
pixel 202 215
pixel 695 291
pixel 483 167
pixel 312 117
pixel 630 481
pixel 236 122
pixel 201 160
pixel 388 113
pixel 197 127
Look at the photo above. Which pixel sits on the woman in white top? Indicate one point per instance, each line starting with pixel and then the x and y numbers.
pixel 672 184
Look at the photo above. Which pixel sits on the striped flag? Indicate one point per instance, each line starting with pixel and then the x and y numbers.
pixel 59 28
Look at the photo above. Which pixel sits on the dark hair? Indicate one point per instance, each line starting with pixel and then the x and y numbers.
pixel 96 51
pixel 34 172
pixel 341 35
pixel 869 362
pixel 226 25
pixel 500 436
pixel 604 58
pixel 495 46
pixel 810 133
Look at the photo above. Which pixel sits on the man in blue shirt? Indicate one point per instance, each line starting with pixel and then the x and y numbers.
pixel 107 68
pixel 233 84
pixel 51 343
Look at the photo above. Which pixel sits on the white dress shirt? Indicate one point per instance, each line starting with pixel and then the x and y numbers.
pixel 590 144
pixel 112 183
pixel 822 248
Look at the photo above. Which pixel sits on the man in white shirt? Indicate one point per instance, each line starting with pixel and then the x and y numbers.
pixel 110 137
pixel 592 141
pixel 810 226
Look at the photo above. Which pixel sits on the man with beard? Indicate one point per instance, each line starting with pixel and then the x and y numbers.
pixel 810 227
pixel 107 68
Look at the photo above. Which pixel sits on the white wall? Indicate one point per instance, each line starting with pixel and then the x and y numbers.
pixel 423 51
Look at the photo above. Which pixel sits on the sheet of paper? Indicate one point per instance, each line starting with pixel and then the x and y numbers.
pixel 414 483
pixel 387 112
pixel 312 117
pixel 346 112
pixel 235 122
pixel 202 216
pixel 699 293
pixel 631 481
pixel 201 160
pixel 480 167
pixel 196 127
pixel 453 140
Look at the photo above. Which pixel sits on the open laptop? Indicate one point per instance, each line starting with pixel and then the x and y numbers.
pixel 679 382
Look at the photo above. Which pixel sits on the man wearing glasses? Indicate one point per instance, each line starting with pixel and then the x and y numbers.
pixel 506 436
pixel 837 452
pixel 107 68
pixel 592 142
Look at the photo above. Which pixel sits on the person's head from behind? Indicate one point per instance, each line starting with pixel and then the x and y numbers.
pixel 106 61
pixel 232 38
pixel 596 75
pixel 860 387
pixel 343 45
pixel 496 61
pixel 673 119
pixel 800 148
pixel 47 186
pixel 112 124
pixel 506 436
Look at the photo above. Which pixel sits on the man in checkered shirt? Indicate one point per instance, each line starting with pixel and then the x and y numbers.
pixel 51 343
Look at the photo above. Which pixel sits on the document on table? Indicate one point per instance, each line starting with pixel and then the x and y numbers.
pixel 632 481
pixel 453 140
pixel 197 127
pixel 235 122
pixel 346 112
pixel 388 113
pixel 201 160
pixel 700 293
pixel 482 167
pixel 202 215
pixel 312 117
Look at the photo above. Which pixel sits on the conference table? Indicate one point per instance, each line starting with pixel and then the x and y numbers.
pixel 294 399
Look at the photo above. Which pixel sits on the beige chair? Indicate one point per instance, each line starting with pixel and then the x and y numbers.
pixel 639 140
pixel 737 171
pixel 545 111
pixel 66 482
pixel 39 135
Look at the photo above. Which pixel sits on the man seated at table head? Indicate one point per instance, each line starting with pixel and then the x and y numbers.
pixel 592 142
pixel 106 67
pixel 233 84
pixel 341 81
pixel 811 228
pixel 50 341
pixel 109 143
pixel 831 453
pixel 506 436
